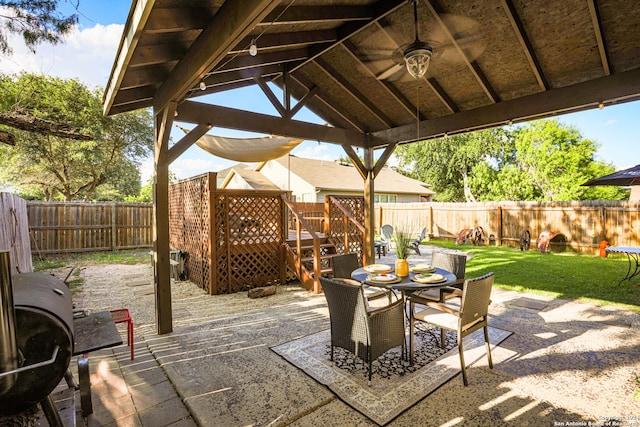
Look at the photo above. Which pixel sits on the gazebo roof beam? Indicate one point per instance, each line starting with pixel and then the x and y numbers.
pixel 231 118
pixel 621 87
pixel 232 22
pixel 170 20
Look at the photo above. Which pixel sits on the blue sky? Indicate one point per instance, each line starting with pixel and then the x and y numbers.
pixel 88 55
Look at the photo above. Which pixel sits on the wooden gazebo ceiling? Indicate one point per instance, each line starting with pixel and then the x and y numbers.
pixel 494 62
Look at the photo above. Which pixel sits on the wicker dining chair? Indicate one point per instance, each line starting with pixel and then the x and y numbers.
pixel 471 316
pixel 367 333
pixel 343 265
pixel 455 263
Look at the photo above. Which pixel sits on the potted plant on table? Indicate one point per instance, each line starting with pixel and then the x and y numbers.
pixel 402 240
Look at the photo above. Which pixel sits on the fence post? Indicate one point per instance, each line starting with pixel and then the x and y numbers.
pixel 114 231
pixel 603 218
pixel 430 221
pixel 499 225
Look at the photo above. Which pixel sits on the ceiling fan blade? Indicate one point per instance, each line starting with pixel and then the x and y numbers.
pixel 389 72
pixel 376 54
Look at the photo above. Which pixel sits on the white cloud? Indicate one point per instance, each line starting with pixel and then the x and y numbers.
pixel 86 55
pixel 313 150
pixel 185 167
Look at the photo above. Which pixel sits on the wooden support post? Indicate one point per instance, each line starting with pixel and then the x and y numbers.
pixel 369 214
pixel 162 270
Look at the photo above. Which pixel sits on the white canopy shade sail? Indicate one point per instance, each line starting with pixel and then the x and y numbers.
pixel 247 150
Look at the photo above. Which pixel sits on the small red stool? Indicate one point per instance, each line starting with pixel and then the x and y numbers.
pixel 121 316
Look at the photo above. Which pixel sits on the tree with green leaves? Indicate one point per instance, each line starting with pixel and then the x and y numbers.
pixel 448 163
pixel 542 160
pixel 557 159
pixel 37 21
pixel 52 167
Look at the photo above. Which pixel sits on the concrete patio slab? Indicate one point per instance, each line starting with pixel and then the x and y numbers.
pixel 565 362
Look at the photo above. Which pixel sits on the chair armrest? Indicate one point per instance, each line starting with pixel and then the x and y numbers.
pixel 376 311
pixel 443 307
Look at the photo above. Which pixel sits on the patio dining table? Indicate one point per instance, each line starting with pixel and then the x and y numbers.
pixel 406 284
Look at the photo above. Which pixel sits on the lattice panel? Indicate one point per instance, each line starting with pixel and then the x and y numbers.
pixel 189 225
pixel 249 238
pixel 355 206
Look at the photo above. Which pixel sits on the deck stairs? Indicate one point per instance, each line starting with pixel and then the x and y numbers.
pixel 302 259
pixel 308 251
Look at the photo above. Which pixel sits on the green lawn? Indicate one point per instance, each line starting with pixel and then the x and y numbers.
pixel 568 275
pixel 586 278
pixel 48 262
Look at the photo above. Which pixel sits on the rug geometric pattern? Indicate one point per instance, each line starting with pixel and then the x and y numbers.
pixel 395 385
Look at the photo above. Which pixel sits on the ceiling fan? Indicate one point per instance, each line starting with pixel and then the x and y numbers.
pixel 416 56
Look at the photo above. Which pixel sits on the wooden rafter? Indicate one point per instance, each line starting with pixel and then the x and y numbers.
pixel 597 29
pixel 283 15
pixel 382 9
pixel 391 90
pixel 243 62
pixel 232 22
pixel 437 12
pixel 286 40
pixel 322 97
pixel 123 58
pixel 353 91
pixel 225 78
pixel 521 34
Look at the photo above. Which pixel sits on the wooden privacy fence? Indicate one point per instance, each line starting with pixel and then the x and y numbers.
pixel 58 227
pixel 233 239
pixel 583 223
pixel 14 232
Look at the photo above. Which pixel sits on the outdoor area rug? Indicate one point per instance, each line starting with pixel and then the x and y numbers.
pixel 395 385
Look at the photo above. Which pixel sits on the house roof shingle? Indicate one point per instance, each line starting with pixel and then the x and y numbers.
pixel 332 175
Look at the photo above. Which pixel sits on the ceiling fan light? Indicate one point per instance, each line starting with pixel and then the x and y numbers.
pixel 417 59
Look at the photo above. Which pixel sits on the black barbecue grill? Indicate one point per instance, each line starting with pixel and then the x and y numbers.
pixel 38 337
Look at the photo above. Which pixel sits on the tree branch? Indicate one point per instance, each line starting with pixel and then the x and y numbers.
pixel 33 124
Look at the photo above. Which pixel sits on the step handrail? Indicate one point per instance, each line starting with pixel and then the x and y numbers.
pixel 301 222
